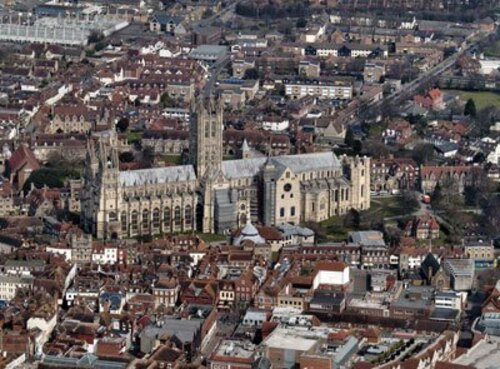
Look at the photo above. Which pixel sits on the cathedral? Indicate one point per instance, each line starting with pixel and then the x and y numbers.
pixel 214 196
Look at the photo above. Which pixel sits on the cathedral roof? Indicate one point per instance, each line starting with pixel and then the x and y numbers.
pixel 179 173
pixel 243 167
pixel 297 163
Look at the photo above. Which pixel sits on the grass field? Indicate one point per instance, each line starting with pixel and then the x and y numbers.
pixel 173 159
pixel 481 98
pixel 493 51
pixel 383 207
pixel 134 136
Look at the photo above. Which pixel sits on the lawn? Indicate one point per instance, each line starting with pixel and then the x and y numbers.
pixel 212 237
pixel 493 50
pixel 388 207
pixel 482 99
pixel 173 159
pixel 134 136
pixel 334 228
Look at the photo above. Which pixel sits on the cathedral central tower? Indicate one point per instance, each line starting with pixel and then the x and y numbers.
pixel 206 137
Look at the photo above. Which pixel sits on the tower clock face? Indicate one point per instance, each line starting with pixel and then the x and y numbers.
pixel 287 187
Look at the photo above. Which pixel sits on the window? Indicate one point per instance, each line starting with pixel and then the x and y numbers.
pixel 214 128
pixel 282 212
pixel 156 218
pixel 313 206
pixel 112 216
pixel 145 218
pixel 287 174
pixel 177 216
pixel 292 211
pixel 188 215
pixel 123 219
pixel 362 190
pixel 134 220
pixel 287 187
pixel 166 218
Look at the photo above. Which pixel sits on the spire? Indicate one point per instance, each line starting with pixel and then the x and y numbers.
pixel 246 152
pixel 244 145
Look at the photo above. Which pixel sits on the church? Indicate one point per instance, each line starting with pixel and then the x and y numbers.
pixel 214 196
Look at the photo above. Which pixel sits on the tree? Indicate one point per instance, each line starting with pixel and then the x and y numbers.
pixel 375 149
pixel 357 147
pixel 127 157
pixel 95 37
pixel 349 137
pixel 409 200
pixel 423 153
pixel 470 108
pixel 301 23
pixel 166 101
pixel 123 124
pixel 251 73
pixel 352 219
pixel 148 156
pixel 52 178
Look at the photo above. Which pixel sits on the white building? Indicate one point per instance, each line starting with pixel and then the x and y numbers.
pixel 9 284
pixel 331 273
pixel 448 300
pixel 275 124
pixel 105 255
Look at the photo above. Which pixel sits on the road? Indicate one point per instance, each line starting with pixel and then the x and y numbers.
pixel 410 87
pixel 219 65
pixel 208 21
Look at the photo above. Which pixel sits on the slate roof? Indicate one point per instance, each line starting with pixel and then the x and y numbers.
pixel 297 164
pixel 178 173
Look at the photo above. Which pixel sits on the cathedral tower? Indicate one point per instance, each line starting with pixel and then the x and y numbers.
pixel 206 155
pixel 357 170
pixel 101 193
pixel 206 137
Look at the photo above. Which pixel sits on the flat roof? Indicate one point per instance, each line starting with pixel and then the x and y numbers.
pixel 483 355
pixel 296 338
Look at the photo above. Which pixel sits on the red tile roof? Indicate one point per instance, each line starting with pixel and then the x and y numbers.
pixel 21 157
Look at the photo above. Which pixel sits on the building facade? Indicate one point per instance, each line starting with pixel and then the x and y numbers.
pixel 213 195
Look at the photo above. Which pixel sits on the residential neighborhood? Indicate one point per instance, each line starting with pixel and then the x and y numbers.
pixel 252 185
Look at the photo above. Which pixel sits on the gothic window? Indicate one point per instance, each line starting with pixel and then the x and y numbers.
pixel 362 190
pixel 292 211
pixel 156 218
pixel 188 214
pixel 177 216
pixel 214 128
pixel 346 194
pixel 336 195
pixel 124 221
pixel 112 216
pixel 134 220
pixel 166 218
pixel 282 212
pixel 145 218
pixel 243 219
